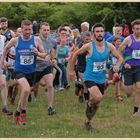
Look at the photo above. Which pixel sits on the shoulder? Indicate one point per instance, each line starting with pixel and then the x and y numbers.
pixel 110 46
pixel 127 40
pixel 13 42
pixel 14 39
pixel 37 38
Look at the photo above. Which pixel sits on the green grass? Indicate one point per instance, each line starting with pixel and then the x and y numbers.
pixel 113 119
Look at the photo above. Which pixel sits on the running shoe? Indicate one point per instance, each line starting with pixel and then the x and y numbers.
pixel 17 118
pixel 119 98
pixel 61 89
pixel 67 86
pixel 88 126
pixel 51 111
pixel 136 114
pixel 6 111
pixel 23 118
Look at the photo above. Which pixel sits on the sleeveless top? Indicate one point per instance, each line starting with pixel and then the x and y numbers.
pixel 133 51
pixel 96 65
pixel 48 45
pixel 8 35
pixel 62 54
pixel 25 57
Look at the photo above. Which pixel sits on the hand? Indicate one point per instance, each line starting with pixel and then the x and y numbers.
pixel 34 50
pixel 53 62
pixel 116 68
pixel 127 66
pixel 47 58
pixel 3 66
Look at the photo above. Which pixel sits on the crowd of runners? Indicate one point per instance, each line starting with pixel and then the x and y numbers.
pixel 32 57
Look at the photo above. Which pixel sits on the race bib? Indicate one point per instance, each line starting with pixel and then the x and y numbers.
pixel 136 54
pixel 26 60
pixel 99 66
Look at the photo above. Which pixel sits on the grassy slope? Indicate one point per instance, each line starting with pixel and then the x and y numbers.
pixel 113 119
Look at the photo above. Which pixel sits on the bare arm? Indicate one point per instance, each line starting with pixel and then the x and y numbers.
pixel 54 53
pixel 40 49
pixel 11 43
pixel 124 44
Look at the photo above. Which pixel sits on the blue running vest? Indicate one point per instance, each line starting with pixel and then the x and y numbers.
pixel 96 65
pixel 25 57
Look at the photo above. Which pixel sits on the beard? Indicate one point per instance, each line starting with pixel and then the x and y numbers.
pixel 99 39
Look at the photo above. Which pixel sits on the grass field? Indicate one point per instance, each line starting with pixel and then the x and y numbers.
pixel 113 120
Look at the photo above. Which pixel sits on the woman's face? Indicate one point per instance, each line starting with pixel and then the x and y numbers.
pixel 117 43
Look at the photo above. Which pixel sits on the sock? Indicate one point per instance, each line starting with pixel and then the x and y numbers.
pixel 135 109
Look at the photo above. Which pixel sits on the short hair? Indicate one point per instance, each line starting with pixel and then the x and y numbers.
pixel 86 33
pixel 116 24
pixel 98 25
pixel 26 22
pixel 86 24
pixel 3 19
pixel 116 38
pixel 135 22
pixel 62 29
pixel 44 23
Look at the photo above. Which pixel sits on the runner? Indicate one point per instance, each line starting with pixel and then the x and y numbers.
pixel 26 47
pixel 95 73
pixel 131 50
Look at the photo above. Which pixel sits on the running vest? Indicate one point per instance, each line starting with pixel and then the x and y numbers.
pixel 96 65
pixel 8 35
pixel 133 51
pixel 25 57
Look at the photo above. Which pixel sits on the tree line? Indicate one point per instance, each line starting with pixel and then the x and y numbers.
pixel 66 13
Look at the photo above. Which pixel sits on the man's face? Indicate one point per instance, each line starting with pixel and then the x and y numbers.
pixel 84 28
pixel 118 31
pixel 136 30
pixel 63 33
pixel 26 31
pixel 99 33
pixel 4 25
pixel 45 31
